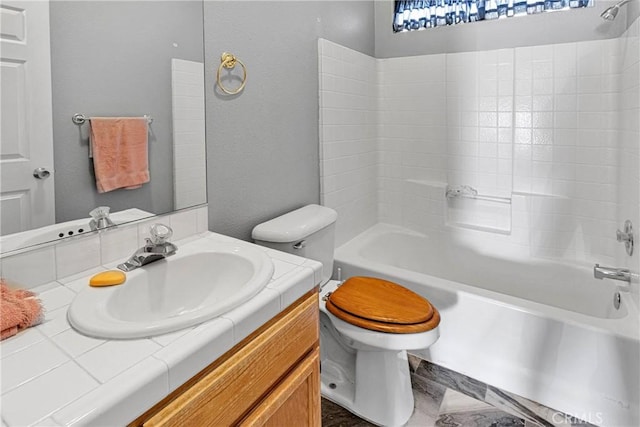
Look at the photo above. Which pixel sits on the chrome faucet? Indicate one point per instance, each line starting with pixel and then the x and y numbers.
pixel 157 247
pixel 611 273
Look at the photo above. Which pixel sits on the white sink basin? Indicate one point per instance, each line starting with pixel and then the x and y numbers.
pixel 203 280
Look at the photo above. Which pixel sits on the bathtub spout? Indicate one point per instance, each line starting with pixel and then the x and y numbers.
pixel 611 273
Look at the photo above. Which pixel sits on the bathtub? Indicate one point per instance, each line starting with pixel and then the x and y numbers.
pixel 546 331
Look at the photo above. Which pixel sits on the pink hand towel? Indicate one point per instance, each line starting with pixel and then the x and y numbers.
pixel 19 309
pixel 120 154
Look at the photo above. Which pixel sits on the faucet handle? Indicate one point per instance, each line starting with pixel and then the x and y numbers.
pixel 160 233
pixel 100 218
pixel 100 212
pixel 626 236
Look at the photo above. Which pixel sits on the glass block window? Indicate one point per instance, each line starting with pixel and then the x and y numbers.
pixel 411 15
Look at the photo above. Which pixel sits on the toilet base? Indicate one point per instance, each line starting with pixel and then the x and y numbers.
pixel 375 385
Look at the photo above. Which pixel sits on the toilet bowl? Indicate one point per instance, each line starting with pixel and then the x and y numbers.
pixel 366 324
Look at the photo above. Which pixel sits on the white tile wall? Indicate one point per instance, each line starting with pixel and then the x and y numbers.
pixel 189 157
pixel 554 127
pixel 629 137
pixel 64 259
pixel 412 137
pixel 479 105
pixel 565 147
pixel 77 254
pixel 348 153
pixel 117 243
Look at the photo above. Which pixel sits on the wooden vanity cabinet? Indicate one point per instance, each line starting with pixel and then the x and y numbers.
pixel 271 378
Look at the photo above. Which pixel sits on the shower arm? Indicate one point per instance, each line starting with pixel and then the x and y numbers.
pixel 621 3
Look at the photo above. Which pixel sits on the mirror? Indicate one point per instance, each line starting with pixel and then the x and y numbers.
pixel 108 58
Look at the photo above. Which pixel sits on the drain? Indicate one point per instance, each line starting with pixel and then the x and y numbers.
pixel 616 300
pixel 332 386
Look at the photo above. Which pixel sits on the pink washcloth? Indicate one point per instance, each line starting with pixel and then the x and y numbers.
pixel 119 146
pixel 19 309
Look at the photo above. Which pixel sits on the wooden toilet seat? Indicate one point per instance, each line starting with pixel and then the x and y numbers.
pixel 380 305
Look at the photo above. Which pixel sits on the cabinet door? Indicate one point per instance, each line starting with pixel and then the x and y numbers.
pixel 227 394
pixel 295 401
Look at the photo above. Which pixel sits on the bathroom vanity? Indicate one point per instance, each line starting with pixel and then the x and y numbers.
pixel 270 378
pixel 254 364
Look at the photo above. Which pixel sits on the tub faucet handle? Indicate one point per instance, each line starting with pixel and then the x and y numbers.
pixel 626 236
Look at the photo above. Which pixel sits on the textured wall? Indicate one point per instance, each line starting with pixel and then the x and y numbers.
pixel 262 144
pixel 114 59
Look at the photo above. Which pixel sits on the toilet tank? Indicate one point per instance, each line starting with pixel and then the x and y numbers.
pixel 307 232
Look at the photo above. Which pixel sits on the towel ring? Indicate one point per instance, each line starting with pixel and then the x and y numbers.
pixel 229 61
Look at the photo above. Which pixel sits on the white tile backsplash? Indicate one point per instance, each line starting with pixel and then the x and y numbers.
pixel 71 259
pixel 184 224
pixel 77 254
pixel 30 269
pixel 118 243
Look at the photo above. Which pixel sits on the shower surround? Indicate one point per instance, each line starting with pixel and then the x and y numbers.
pixel 553 129
pixel 549 134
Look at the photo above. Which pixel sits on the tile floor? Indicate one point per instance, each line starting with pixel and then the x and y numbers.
pixel 444 398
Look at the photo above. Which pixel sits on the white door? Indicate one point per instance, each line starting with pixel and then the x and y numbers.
pixel 26 135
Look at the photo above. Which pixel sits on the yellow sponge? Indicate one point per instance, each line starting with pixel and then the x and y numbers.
pixel 108 278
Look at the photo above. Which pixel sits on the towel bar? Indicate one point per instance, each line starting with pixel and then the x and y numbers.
pixel 80 119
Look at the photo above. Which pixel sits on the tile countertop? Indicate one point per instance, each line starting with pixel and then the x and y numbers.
pixel 52 375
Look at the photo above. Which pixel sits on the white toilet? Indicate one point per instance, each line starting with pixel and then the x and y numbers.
pixel 366 324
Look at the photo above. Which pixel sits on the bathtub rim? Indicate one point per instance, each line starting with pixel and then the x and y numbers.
pixel 627 326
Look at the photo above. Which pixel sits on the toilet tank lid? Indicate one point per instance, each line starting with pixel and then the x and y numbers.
pixel 295 225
